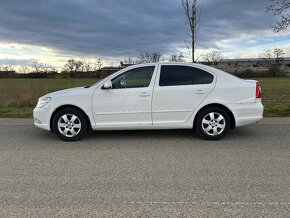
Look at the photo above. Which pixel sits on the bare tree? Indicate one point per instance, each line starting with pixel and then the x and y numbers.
pixel 145 57
pixel 46 68
pixel 24 69
pixel 280 8
pixel 212 57
pixel 70 65
pixel 149 57
pixel 83 65
pixel 129 61
pixel 7 68
pixel 192 15
pixel 37 66
pixel 278 57
pixel 99 63
pixel 268 59
pixel 87 66
pixel 274 59
pixel 11 67
pixel 40 67
pixel 177 57
pixel 3 69
pixel 78 66
pixel 156 56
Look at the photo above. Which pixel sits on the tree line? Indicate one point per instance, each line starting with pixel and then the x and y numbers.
pixel 273 59
pixel 89 65
pixel 152 57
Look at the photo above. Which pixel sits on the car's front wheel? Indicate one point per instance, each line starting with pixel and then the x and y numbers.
pixel 212 123
pixel 70 124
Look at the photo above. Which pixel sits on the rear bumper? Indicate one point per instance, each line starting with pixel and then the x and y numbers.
pixel 247 113
pixel 42 117
pixel 248 120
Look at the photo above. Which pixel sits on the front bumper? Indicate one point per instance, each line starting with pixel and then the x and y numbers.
pixel 42 117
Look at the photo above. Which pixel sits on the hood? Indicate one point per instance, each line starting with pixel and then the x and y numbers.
pixel 65 91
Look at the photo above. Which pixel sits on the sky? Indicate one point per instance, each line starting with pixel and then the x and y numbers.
pixel 54 31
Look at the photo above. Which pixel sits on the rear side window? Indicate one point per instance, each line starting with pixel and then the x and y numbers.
pixel 201 77
pixel 183 75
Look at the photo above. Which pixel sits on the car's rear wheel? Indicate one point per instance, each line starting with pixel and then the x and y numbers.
pixel 70 124
pixel 212 123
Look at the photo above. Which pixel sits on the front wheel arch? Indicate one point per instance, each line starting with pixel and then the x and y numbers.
pixel 230 113
pixel 69 106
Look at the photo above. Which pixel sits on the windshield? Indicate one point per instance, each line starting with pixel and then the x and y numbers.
pixel 100 81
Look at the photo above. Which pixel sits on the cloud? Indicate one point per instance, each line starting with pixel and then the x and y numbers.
pixel 113 28
pixel 252 42
pixel 227 19
pixel 7 62
pixel 108 28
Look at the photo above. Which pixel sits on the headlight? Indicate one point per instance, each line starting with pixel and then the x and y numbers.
pixel 43 101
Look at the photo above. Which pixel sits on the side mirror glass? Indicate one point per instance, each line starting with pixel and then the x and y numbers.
pixel 107 85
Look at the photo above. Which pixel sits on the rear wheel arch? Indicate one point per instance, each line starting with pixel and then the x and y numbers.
pixel 69 106
pixel 229 112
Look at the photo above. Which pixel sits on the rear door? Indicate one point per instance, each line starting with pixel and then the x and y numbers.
pixel 178 91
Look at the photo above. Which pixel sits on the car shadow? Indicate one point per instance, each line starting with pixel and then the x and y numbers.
pixel 168 134
pixel 180 135
pixel 144 134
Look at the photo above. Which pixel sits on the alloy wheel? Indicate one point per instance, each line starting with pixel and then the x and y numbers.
pixel 69 125
pixel 213 123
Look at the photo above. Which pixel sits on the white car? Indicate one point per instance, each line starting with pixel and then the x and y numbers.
pixel 154 96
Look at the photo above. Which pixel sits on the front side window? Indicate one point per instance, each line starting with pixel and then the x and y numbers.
pixel 183 75
pixel 135 78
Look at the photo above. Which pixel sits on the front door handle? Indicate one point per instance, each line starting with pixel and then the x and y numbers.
pixel 200 92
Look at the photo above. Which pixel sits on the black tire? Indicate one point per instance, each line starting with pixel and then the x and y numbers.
pixel 76 130
pixel 212 130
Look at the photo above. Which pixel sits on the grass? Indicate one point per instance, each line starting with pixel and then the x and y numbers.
pixel 18 97
pixel 16 111
pixel 276 96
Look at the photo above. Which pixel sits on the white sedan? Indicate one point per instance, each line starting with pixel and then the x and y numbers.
pixel 154 96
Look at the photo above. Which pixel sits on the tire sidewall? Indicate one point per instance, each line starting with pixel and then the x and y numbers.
pixel 79 114
pixel 198 124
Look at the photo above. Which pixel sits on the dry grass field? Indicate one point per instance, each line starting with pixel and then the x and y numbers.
pixel 18 97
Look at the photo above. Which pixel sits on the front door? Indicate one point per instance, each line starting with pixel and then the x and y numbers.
pixel 128 103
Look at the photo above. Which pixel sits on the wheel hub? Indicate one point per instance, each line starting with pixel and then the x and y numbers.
pixel 69 125
pixel 213 123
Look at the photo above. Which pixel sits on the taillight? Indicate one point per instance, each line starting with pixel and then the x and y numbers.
pixel 258 90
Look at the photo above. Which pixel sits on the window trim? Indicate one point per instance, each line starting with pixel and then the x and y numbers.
pixel 186 65
pixel 125 70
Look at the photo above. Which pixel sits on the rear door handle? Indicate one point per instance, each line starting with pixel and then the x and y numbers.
pixel 200 92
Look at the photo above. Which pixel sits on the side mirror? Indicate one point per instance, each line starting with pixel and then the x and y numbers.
pixel 107 85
